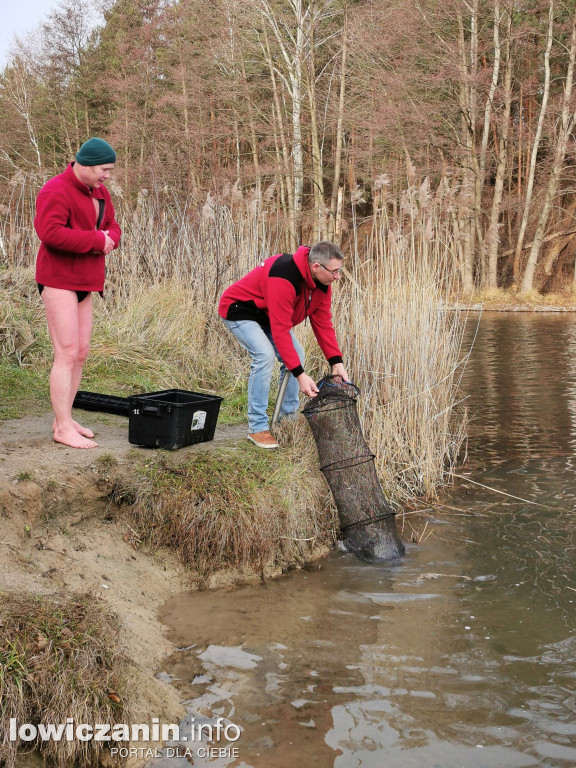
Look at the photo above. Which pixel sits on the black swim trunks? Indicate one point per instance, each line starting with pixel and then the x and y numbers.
pixel 81 294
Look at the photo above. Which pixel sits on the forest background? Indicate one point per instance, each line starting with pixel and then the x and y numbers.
pixel 314 116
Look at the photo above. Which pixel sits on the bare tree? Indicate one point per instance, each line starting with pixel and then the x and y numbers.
pixel 563 133
pixel 333 225
pixel 535 143
pixel 17 92
pixel 492 239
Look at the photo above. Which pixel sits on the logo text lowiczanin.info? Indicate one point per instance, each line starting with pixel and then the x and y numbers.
pixel 124 732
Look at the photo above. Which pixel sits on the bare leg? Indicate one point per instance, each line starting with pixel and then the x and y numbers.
pixel 85 334
pixel 70 326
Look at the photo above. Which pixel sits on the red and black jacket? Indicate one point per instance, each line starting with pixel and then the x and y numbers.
pixel 280 293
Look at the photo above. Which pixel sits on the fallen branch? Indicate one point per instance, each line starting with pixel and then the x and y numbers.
pixel 545 240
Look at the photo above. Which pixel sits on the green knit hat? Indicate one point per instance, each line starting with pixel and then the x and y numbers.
pixel 95 152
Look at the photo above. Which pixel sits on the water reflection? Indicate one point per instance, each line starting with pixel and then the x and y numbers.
pixel 522 386
pixel 462 655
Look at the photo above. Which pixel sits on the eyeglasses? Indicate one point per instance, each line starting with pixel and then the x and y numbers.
pixel 332 271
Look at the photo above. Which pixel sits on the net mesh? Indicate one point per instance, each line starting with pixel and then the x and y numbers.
pixel 366 518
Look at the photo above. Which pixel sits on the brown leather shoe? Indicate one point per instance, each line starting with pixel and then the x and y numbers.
pixel 263 439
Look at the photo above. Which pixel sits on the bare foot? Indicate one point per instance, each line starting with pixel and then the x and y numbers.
pixel 78 427
pixel 70 437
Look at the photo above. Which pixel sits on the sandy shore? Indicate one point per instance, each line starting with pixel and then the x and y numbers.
pixel 59 533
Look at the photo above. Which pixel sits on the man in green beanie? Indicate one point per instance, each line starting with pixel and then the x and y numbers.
pixel 76 224
pixel 95 152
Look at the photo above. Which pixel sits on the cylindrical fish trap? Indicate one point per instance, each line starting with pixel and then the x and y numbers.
pixel 367 521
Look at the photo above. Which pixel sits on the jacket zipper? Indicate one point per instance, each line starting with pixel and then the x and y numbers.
pixel 307 304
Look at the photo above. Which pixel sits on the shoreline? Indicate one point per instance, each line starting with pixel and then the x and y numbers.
pixel 61 532
pixel 480 307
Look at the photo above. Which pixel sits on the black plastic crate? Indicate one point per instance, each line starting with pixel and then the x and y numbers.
pixel 94 401
pixel 172 418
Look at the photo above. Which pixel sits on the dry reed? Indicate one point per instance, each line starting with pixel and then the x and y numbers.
pixel 405 346
pixel 402 344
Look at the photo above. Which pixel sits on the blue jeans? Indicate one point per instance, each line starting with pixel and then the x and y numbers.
pixel 263 352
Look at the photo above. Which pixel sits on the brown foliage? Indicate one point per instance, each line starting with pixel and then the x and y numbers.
pixel 199 96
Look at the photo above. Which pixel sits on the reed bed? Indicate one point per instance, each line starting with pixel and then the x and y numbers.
pixel 405 346
pixel 158 325
pixel 204 249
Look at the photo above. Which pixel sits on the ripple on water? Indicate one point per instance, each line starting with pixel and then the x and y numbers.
pixel 357 666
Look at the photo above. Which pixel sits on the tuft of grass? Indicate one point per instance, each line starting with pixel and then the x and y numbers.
pixel 59 658
pixel 23 332
pixel 107 461
pixel 233 506
pixel 24 474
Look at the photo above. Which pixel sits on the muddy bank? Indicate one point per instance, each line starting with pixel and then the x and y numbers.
pixel 502 301
pixel 61 532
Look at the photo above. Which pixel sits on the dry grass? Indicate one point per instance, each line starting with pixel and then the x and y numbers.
pixel 18 241
pixel 161 331
pixel 509 300
pixel 155 338
pixel 232 507
pixel 405 348
pixel 158 327
pixel 23 335
pixel 164 240
pixel 59 659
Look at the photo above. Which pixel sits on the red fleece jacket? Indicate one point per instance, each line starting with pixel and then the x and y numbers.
pixel 71 250
pixel 283 287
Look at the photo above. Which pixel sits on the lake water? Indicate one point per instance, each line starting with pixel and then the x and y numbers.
pixel 462 654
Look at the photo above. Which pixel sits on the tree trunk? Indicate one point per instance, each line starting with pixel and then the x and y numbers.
pixel 297 153
pixel 333 224
pixel 562 240
pixel 468 111
pixel 568 119
pixel 536 144
pixel 317 164
pixel 492 238
pixel 292 49
pixel 287 175
pixel 253 139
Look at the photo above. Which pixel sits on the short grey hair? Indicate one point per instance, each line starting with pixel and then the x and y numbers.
pixel 323 251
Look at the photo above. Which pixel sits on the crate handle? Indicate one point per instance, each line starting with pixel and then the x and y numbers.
pixel 150 409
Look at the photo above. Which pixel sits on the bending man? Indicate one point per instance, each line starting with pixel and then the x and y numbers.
pixel 262 308
pixel 77 230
